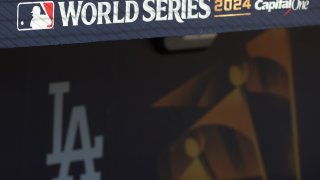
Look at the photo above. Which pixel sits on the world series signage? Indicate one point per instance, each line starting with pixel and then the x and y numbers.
pixel 38 23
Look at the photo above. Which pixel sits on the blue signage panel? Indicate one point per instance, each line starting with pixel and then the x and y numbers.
pixel 37 23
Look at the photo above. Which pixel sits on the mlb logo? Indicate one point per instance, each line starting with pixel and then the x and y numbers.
pixel 35 15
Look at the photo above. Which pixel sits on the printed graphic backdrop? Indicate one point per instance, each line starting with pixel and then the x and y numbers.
pixel 202 114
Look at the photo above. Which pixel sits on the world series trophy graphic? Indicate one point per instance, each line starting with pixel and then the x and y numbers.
pixel 250 130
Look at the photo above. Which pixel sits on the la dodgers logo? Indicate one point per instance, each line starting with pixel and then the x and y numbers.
pixel 35 15
pixel 67 154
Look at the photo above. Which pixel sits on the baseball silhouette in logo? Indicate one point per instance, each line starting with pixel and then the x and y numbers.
pixel 39 21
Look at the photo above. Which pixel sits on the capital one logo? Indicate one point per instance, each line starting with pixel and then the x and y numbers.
pixel 35 15
pixel 65 155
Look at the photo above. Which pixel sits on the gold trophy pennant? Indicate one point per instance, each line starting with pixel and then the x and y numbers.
pixel 232 113
pixel 226 142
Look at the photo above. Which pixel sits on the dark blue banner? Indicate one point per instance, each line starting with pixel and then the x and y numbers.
pixel 40 23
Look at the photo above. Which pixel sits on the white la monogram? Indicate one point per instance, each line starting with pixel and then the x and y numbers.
pixel 64 156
